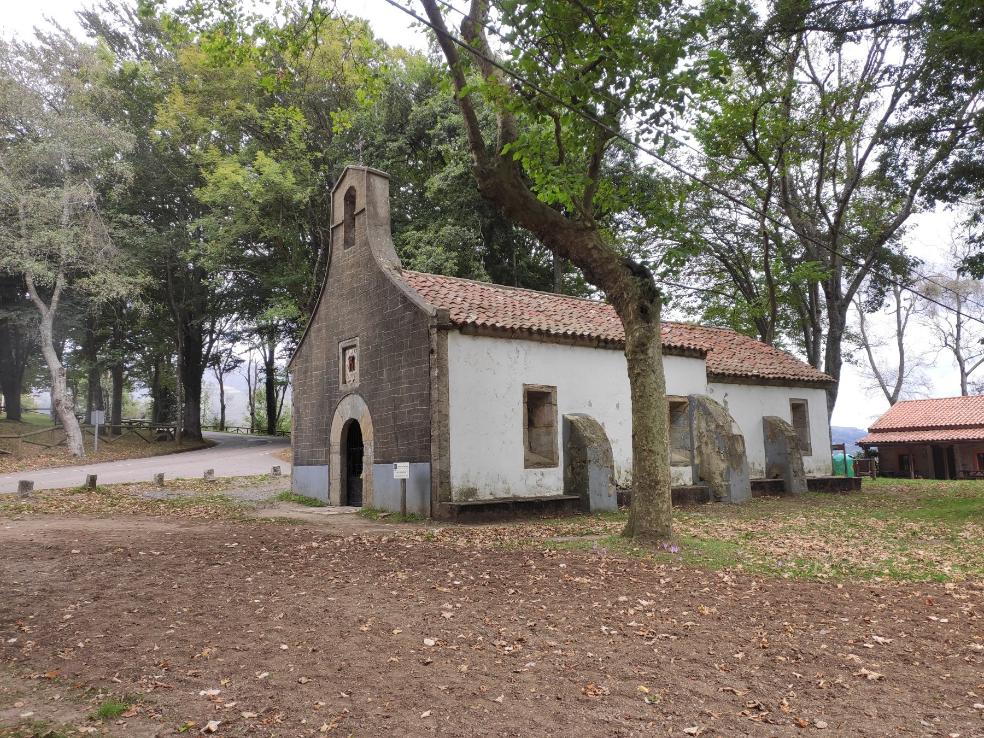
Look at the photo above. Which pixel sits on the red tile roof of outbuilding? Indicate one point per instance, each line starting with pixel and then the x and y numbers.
pixel 925 421
pixel 495 307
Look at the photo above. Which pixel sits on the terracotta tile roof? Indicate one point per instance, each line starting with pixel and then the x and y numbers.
pixel 939 419
pixel 937 435
pixel 499 308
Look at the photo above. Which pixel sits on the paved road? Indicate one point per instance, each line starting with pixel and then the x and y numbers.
pixel 234 456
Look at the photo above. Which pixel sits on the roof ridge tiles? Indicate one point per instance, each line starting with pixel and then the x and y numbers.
pixel 562 296
pixel 729 354
pixel 938 399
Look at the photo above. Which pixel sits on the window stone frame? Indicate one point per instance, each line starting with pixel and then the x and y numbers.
pixel 349 343
pixel 680 402
pixel 804 435
pixel 533 460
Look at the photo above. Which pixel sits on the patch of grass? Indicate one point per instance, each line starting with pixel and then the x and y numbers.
pixel 951 509
pixel 213 500
pixel 894 530
pixel 29 422
pixel 385 516
pixel 706 553
pixel 288 496
pixel 111 709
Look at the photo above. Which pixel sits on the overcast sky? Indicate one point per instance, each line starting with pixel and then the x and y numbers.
pixel 928 238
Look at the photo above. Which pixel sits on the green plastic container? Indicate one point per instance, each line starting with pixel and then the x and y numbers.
pixel 843 464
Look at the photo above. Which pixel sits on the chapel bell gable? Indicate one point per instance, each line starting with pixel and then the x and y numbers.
pixel 360 214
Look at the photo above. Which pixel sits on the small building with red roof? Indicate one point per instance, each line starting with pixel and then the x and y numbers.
pixel 470 387
pixel 940 438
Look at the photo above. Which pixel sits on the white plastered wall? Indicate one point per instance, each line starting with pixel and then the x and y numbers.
pixel 486 378
pixel 749 403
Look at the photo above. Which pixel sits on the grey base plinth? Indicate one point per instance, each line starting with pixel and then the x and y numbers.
pixel 310 481
pixel 386 490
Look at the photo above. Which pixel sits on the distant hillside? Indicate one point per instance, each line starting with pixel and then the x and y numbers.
pixel 847 435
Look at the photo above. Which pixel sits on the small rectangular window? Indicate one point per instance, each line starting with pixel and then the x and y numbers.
pixel 348 363
pixel 799 411
pixel 540 427
pixel 679 426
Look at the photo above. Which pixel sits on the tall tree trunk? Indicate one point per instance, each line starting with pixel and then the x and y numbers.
pixel 60 403
pixel 251 381
pixel 116 409
pixel 11 397
pixel 13 362
pixel 558 274
pixel 155 391
pixel 16 345
pixel 833 352
pixel 61 406
pixel 192 367
pixel 189 310
pixel 270 382
pixel 95 396
pixel 628 285
pixel 650 516
pixel 90 350
pixel 280 403
pixel 222 405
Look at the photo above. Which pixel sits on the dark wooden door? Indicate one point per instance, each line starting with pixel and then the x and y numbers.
pixel 939 463
pixel 354 451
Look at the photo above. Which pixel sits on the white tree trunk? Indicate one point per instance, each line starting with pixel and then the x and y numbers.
pixel 62 407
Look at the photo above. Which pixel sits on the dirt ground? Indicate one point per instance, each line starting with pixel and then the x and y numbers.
pixel 269 629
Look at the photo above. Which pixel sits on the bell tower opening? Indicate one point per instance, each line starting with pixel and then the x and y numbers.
pixel 348 221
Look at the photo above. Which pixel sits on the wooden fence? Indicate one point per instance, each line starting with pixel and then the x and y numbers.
pixel 245 430
pixel 14 445
pixel 145 430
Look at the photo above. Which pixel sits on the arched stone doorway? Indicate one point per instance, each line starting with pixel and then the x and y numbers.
pixel 351 453
pixel 353 458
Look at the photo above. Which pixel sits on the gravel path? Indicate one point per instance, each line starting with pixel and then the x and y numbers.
pixel 232 456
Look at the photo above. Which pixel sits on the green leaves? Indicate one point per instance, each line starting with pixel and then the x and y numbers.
pixel 590 72
pixel 61 164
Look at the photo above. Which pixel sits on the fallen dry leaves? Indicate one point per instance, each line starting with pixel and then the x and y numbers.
pixel 182 498
pixel 194 616
pixel 876 535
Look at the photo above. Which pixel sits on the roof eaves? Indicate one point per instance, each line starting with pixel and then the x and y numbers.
pixel 568 338
pixel 822 382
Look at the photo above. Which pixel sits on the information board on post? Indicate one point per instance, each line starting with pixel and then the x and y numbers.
pixel 97 418
pixel 401 471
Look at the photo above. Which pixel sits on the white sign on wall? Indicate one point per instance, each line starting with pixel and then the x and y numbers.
pixel 401 470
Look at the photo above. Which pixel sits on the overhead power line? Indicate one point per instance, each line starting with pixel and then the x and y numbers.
pixel 707 157
pixel 616 134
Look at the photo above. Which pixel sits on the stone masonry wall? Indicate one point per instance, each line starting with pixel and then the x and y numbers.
pixel 360 301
